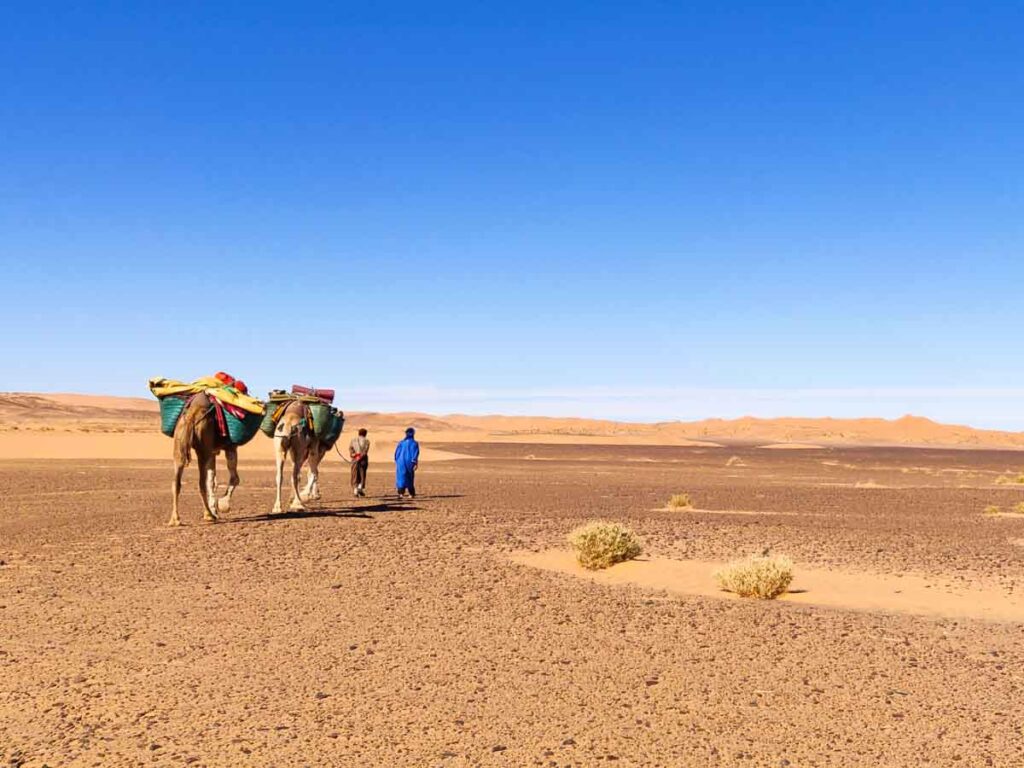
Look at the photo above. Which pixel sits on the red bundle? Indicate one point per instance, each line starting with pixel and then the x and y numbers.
pixel 327 395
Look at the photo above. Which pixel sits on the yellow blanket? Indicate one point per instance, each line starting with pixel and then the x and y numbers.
pixel 162 387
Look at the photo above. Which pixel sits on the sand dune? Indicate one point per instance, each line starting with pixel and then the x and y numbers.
pixel 101 414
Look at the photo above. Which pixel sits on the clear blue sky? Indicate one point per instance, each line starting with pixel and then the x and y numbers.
pixel 638 210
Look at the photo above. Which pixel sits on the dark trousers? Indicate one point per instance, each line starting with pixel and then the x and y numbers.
pixel 410 486
pixel 359 471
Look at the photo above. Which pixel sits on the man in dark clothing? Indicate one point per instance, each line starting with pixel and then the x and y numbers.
pixel 359 453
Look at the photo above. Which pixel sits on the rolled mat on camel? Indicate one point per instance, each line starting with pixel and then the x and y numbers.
pixel 237 414
pixel 327 420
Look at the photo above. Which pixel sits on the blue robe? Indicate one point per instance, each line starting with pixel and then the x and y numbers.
pixel 407 454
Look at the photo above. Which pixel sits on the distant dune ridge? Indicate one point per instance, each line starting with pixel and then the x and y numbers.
pixel 71 413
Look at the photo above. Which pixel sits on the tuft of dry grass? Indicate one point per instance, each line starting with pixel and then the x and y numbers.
pixel 1010 480
pixel 680 501
pixel 762 576
pixel 992 509
pixel 600 545
pixel 1018 508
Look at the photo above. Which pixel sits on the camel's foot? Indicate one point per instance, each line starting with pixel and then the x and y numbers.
pixel 277 509
pixel 223 504
pixel 174 522
pixel 296 506
pixel 210 517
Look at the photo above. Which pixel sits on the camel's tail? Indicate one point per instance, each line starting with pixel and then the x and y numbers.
pixel 184 435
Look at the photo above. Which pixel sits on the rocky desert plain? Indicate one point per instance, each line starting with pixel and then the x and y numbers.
pixel 456 630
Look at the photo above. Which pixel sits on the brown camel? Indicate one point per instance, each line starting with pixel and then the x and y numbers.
pixel 294 437
pixel 197 431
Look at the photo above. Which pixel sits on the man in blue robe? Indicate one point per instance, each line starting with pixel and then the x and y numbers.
pixel 407 458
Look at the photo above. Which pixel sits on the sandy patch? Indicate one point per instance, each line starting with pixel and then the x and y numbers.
pixel 867 592
pixel 791 447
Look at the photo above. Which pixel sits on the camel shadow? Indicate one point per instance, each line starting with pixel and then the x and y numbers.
pixel 269 517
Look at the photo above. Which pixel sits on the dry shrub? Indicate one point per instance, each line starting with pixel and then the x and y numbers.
pixel 600 545
pixel 735 461
pixel 680 501
pixel 762 576
pixel 1018 508
pixel 992 509
pixel 1010 480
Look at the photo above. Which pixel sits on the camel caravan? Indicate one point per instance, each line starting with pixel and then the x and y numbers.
pixel 216 413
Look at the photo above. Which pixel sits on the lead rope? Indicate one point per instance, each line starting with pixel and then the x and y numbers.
pixel 343 458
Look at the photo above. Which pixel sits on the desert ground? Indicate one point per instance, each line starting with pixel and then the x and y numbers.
pixel 452 630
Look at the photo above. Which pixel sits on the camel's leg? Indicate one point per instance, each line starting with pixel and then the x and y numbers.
pixel 211 485
pixel 312 492
pixel 231 457
pixel 206 472
pixel 297 461
pixel 280 454
pixel 176 491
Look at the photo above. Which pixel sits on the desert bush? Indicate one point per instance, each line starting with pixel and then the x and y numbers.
pixel 1018 508
pixel 992 509
pixel 762 576
pixel 680 501
pixel 1010 480
pixel 600 545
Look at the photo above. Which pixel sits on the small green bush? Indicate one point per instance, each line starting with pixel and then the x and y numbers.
pixel 762 576
pixel 600 545
pixel 680 501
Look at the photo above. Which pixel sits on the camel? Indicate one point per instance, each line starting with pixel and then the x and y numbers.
pixel 294 437
pixel 197 431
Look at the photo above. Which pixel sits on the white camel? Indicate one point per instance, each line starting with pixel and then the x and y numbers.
pixel 295 437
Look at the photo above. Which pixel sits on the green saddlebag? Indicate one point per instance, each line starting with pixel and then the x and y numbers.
pixel 322 419
pixel 241 431
pixel 334 432
pixel 267 423
pixel 277 398
pixel 171 408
